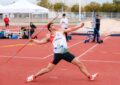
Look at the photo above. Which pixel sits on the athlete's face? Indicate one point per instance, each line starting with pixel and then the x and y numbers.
pixel 53 28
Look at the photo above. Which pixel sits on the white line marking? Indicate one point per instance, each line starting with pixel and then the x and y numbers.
pixel 116 62
pixel 39 57
pixel 102 61
pixel 90 49
pixel 63 69
pixel 20 57
pixel 53 77
pixel 68 47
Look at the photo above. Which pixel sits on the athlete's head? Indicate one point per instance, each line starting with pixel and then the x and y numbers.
pixel 64 15
pixel 51 27
pixel 97 15
pixel 6 16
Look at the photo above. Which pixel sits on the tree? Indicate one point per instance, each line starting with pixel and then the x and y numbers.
pixel 60 7
pixel 108 7
pixel 75 8
pixel 118 7
pixel 93 6
pixel 44 3
pixel 116 1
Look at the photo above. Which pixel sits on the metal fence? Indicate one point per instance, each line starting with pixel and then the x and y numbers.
pixel 41 18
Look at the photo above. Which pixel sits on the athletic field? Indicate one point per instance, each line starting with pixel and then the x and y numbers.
pixel 102 58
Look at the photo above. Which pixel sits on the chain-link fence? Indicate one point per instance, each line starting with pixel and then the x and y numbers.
pixel 43 18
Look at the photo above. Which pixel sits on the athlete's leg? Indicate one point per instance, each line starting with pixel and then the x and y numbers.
pixel 41 72
pixel 82 68
pixel 45 70
pixel 76 62
pixel 94 35
pixel 71 58
pixel 98 37
pixel 56 60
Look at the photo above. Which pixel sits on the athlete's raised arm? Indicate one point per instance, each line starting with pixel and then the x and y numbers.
pixel 74 28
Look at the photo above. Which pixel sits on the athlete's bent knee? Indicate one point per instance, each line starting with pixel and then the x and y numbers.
pixel 77 62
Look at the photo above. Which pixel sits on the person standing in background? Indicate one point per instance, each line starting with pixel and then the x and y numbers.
pixel 6 21
pixel 96 29
pixel 33 27
pixel 64 24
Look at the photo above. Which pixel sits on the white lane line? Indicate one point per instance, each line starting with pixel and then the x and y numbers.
pixel 102 61
pixel 52 54
pixel 90 49
pixel 20 57
pixel 63 69
pixel 38 57
pixel 53 77
pixel 68 47
pixel 97 61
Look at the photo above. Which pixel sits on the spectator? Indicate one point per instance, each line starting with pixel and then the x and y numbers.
pixel 24 34
pixel 64 24
pixel 33 27
pixel 6 21
pixel 96 29
pixel 3 34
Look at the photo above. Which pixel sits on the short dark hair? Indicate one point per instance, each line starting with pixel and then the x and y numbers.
pixel 97 14
pixel 22 28
pixel 48 26
pixel 64 14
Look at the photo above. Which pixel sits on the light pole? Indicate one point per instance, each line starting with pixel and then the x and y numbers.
pixel 80 3
pixel 63 2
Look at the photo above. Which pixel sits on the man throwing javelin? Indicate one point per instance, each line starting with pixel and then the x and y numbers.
pixel 60 49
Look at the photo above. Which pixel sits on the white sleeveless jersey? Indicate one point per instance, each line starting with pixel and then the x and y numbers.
pixel 64 23
pixel 59 43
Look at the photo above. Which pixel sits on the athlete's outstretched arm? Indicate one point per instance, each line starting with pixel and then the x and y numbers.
pixel 74 28
pixel 42 41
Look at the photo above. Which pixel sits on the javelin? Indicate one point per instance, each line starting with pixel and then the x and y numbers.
pixel 29 40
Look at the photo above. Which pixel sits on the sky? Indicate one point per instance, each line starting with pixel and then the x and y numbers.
pixel 6 2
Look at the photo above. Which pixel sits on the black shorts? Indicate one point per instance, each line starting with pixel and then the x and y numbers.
pixel 66 56
pixel 6 25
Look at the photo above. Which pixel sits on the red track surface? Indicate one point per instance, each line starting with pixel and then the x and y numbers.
pixel 102 58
